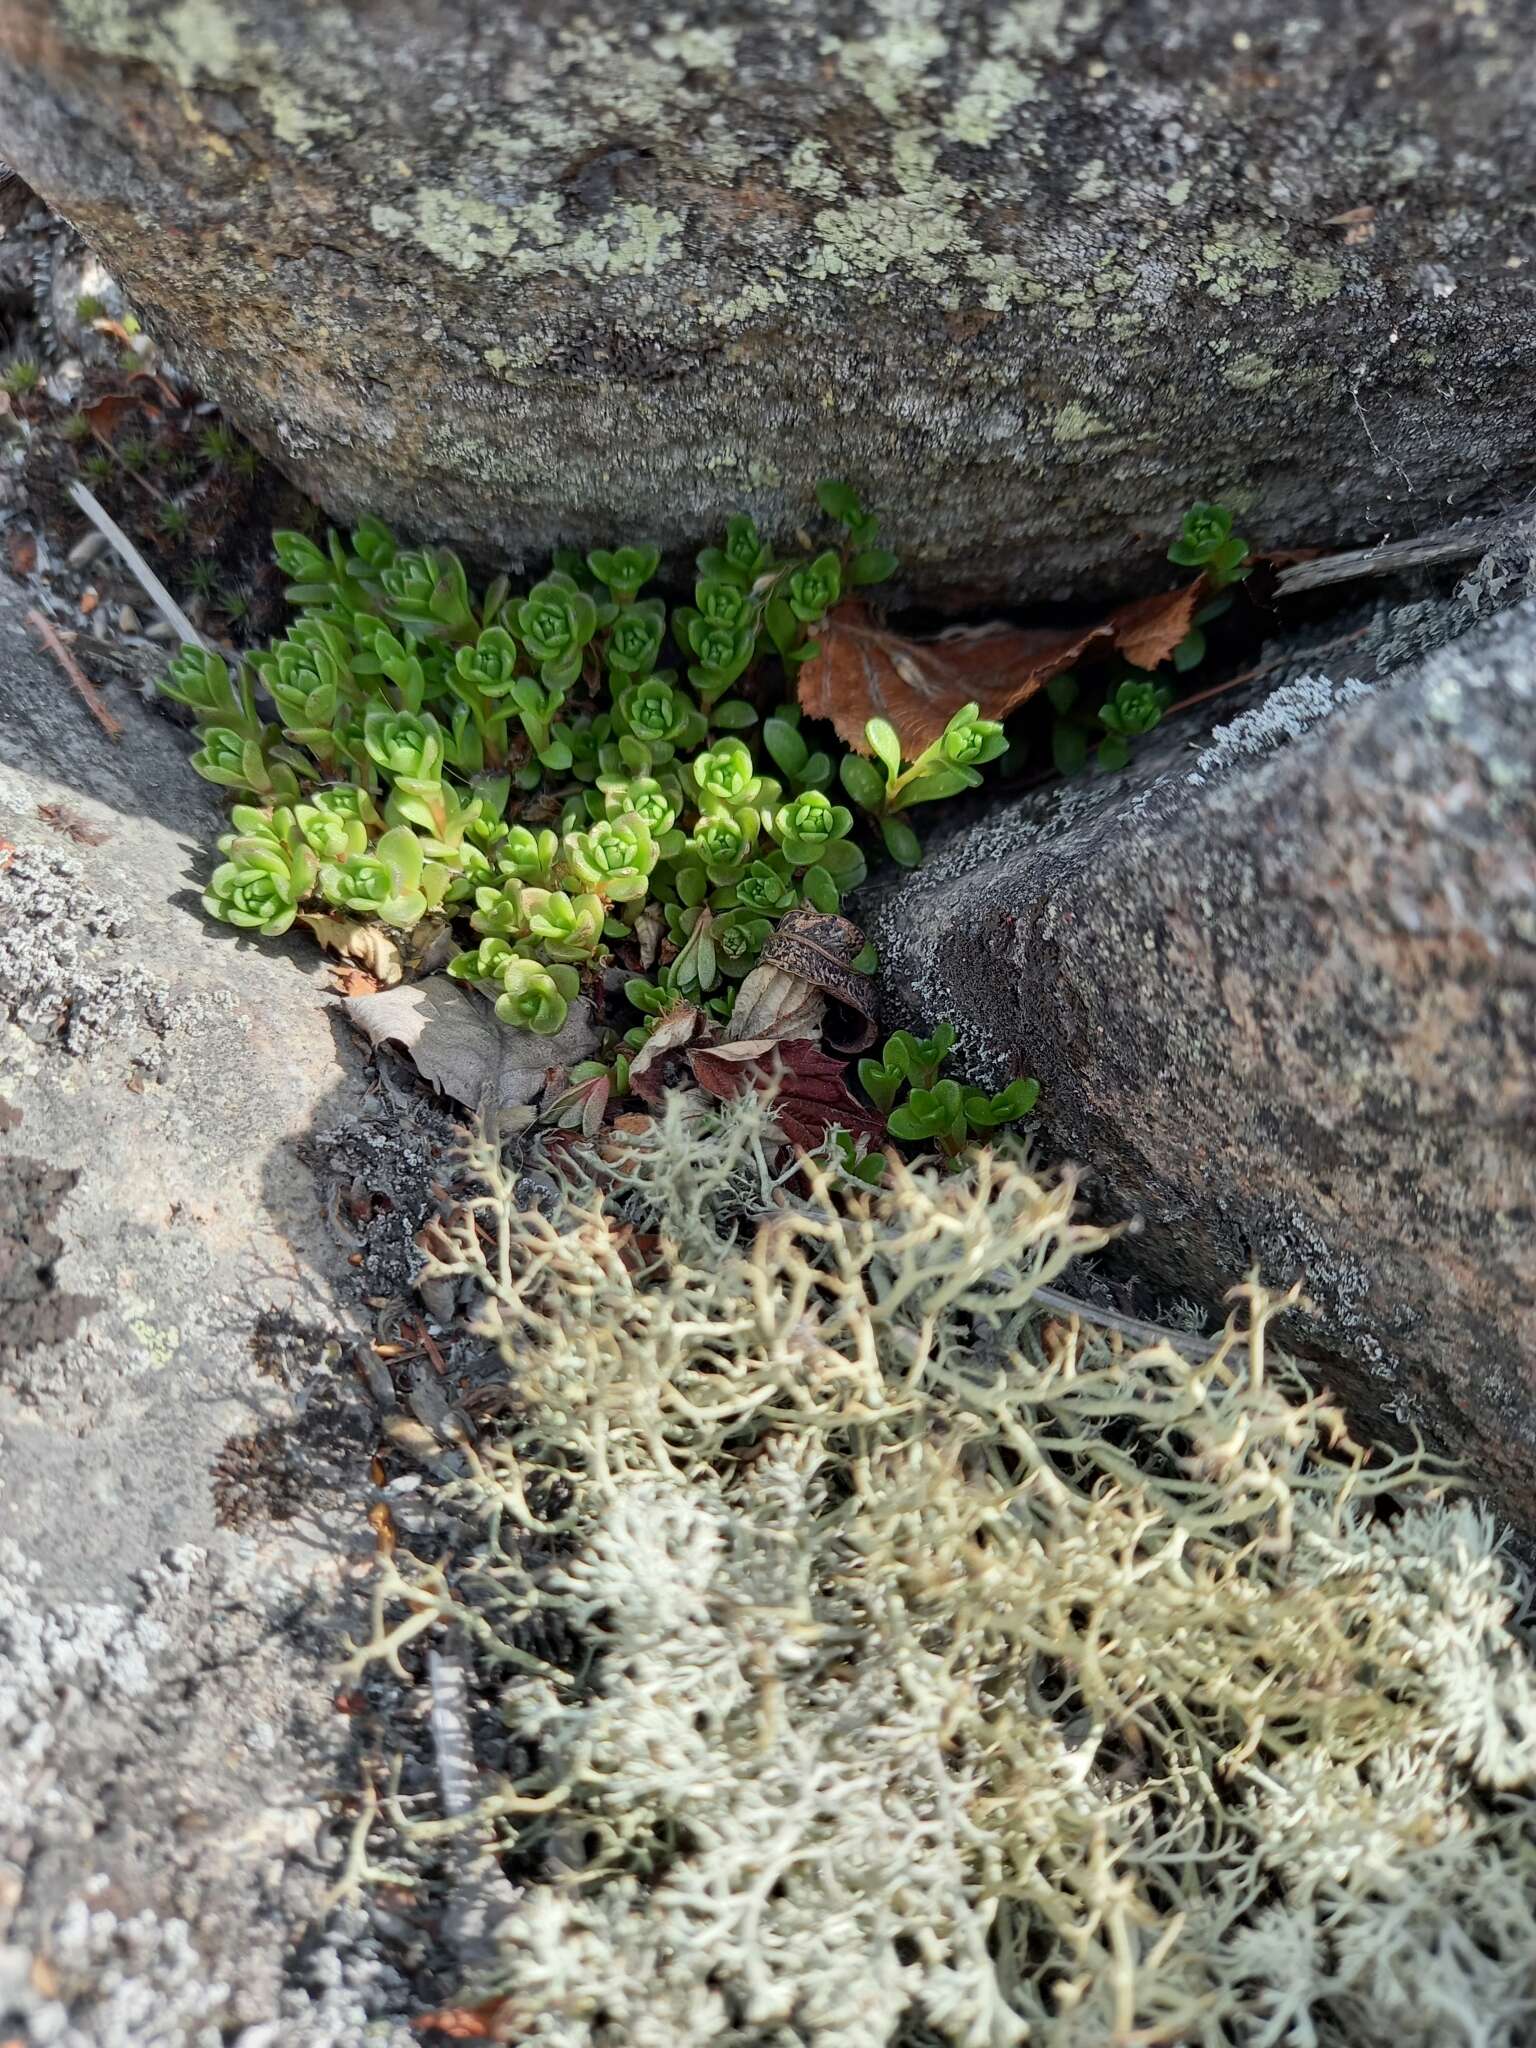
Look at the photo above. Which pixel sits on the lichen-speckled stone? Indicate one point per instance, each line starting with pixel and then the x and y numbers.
pixel 1034 275
pixel 1278 983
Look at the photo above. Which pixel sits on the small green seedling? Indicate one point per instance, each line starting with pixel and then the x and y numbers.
pixel 937 1111
pixel 1206 541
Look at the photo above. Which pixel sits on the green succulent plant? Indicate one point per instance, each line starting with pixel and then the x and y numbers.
pixel 722 842
pixel 394 884
pixel 626 571
pixel 660 715
pixel 1206 541
pixel 528 767
pixel 726 777
pixel 613 858
pixel 555 622
pixel 936 1110
pixel 261 884
pixel 563 927
pixel 534 996
pixel 634 643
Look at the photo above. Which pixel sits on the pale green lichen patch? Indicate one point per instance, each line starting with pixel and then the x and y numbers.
pixel 1239 260
pixel 203 42
pixel 1075 422
pixel 466 233
pixel 889 1658
pixel 1251 372
pixel 916 226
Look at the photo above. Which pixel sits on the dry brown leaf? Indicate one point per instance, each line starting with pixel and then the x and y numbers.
pixel 809 1093
pixel 808 958
pixel 658 1065
pixel 459 1046
pixel 1148 631
pixel 107 413
pixel 370 947
pixel 864 671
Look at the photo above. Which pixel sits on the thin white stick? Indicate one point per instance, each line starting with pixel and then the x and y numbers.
pixel 1187 1341
pixel 146 578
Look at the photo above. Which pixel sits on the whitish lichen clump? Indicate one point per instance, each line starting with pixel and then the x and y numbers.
pixel 896 1665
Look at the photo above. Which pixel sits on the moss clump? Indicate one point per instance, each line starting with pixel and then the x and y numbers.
pixel 936 1672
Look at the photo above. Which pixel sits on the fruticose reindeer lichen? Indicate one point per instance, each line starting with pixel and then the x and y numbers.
pixel 897 1664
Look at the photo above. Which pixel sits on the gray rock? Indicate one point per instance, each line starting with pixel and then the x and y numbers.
pixel 184 1453
pixel 1278 983
pixel 1033 276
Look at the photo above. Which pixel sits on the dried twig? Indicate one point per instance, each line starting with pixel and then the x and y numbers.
pixel 146 578
pixel 94 701
pixel 1298 658
pixel 1389 556
pixel 1189 1342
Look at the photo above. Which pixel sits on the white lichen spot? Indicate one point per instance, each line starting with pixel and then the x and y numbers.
pixel 1005 280
pixel 1092 181
pixel 993 94
pixel 1250 372
pixel 1283 716
pixel 756 296
pixel 809 171
pixel 208 42
pixel 1240 261
pixel 460 230
pixel 1076 423
pixel 635 241
pixel 694 48
pixel 393 221
pixel 914 227
pixel 891 66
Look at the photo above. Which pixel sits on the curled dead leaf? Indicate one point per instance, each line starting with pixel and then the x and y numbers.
pixel 808 959
pixel 369 947
pixel 810 1095
pixel 864 671
pixel 658 1065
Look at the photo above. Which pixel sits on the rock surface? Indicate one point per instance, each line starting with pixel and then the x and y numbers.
pixel 181 1443
pixel 1278 983
pixel 1033 276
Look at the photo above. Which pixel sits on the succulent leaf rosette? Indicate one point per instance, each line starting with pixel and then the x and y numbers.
pixel 809 826
pixel 658 713
pixel 260 886
pixel 535 996
pixel 635 641
pixel 613 858
pixel 626 571
pixel 407 745
pixel 526 855
pixel 726 778
pixel 393 884
pixel 722 842
pixel 490 665
pixel 563 927
pixel 555 622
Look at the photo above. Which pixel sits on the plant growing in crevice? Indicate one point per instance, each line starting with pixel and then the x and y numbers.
pixel 921 1107
pixel 579 772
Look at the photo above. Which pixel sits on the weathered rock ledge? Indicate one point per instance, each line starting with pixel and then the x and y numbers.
pixel 1278 983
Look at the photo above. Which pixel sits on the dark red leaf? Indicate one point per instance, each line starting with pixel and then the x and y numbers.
pixel 809 1093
